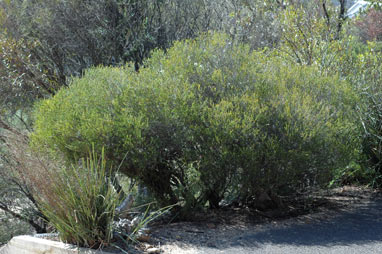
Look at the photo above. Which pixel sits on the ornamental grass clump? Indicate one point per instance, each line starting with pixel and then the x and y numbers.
pixel 80 202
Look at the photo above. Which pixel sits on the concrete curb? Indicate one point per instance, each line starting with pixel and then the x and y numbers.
pixel 32 245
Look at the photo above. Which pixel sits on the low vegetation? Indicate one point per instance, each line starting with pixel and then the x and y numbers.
pixel 80 201
pixel 200 107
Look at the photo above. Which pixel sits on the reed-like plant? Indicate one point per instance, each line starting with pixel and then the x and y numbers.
pixel 133 237
pixel 82 201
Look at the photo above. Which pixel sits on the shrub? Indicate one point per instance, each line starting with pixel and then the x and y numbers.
pixel 367 78
pixel 207 120
pixel 360 65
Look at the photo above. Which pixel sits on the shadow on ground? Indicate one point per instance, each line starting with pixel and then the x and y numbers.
pixel 360 225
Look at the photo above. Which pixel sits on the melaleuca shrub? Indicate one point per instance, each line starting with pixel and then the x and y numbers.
pixel 306 130
pixel 206 120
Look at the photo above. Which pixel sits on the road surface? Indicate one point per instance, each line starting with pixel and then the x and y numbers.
pixel 358 230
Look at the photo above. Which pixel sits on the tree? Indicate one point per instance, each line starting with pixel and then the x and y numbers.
pixel 370 25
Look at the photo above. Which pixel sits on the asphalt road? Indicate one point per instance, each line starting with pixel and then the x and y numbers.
pixel 356 231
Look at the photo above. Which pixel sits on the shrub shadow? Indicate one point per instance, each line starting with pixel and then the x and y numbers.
pixel 360 225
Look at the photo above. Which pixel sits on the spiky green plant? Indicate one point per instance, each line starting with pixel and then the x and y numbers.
pixel 148 216
pixel 80 202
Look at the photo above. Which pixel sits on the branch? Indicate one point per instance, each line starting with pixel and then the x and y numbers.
pixel 326 14
pixel 341 17
pixel 7 210
pixel 24 189
pixel 5 126
pixel 281 4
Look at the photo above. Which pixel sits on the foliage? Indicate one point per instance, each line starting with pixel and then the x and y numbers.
pixel 80 201
pixel 44 43
pixel 355 61
pixel 139 228
pixel 16 164
pixel 369 25
pixel 12 220
pixel 360 65
pixel 22 76
pixel 371 111
pixel 207 118
pixel 309 37
pixel 253 22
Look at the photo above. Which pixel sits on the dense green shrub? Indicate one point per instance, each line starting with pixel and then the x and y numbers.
pixel 206 120
pixel 366 77
pixel 308 40
pixel 360 65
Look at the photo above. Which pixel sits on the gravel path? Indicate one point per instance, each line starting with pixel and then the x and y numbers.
pixel 357 229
